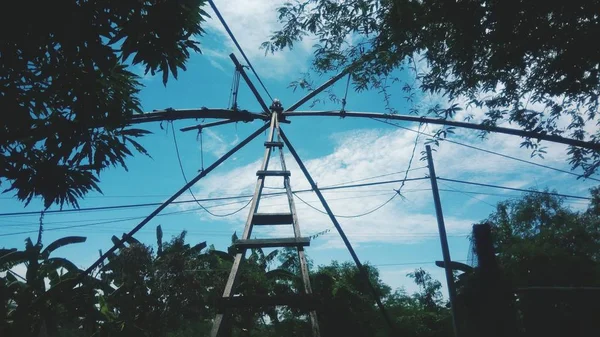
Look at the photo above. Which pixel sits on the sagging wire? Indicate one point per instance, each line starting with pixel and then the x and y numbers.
pixel 190 189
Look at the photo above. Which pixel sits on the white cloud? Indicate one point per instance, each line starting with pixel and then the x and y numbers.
pixel 252 22
pixel 371 152
pixel 215 144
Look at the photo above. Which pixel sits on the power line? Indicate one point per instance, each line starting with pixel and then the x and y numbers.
pixel 470 196
pixel 378 176
pixel 514 189
pixel 128 206
pixel 450 189
pixel 486 151
pixel 328 188
pixel 212 4
pixel 112 221
pixel 142 217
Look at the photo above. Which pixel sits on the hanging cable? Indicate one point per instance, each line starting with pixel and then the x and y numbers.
pixel 186 181
pixel 345 95
pixel 201 150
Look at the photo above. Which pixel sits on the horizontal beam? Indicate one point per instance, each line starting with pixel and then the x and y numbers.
pixel 272 219
pixel 176 114
pixel 207 125
pixel 465 125
pixel 272 243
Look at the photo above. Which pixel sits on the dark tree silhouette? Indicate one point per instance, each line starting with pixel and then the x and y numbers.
pixel 502 56
pixel 65 91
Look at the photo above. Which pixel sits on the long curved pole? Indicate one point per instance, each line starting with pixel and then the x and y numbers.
pixel 176 114
pixel 497 129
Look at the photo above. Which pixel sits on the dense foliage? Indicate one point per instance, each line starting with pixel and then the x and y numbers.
pixel 541 243
pixel 542 281
pixel 66 92
pixel 525 62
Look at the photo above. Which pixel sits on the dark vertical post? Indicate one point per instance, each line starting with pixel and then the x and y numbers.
pixel 443 238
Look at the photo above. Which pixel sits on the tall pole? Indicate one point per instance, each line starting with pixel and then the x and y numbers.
pixel 443 238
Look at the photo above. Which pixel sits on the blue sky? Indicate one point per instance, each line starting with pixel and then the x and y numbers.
pixel 398 238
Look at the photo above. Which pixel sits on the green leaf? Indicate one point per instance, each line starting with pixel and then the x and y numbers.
pixel 12 259
pixel 280 274
pixel 69 240
pixel 222 255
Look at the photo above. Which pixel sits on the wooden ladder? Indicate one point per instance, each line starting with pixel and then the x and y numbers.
pixel 304 300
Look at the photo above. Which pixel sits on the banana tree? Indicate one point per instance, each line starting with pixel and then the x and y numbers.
pixel 42 300
pixel 160 292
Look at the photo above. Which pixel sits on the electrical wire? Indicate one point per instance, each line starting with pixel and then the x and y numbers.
pixel 513 189
pixel 117 220
pixel 190 189
pixel 470 196
pixel 378 176
pixel 128 206
pixel 120 220
pixel 327 188
pixel 487 151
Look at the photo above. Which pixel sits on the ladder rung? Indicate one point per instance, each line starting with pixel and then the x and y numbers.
pixel 274 144
pixel 270 243
pixel 272 219
pixel 273 173
pixel 297 301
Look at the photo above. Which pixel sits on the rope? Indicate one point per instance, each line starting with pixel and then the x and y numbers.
pixel 201 150
pixel 345 94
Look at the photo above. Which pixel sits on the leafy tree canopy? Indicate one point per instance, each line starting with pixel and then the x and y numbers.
pixel 66 92
pixel 526 62
pixel 540 242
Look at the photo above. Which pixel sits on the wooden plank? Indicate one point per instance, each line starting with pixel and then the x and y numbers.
pixel 271 243
pixel 265 219
pixel 274 144
pixel 265 173
pixel 296 301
